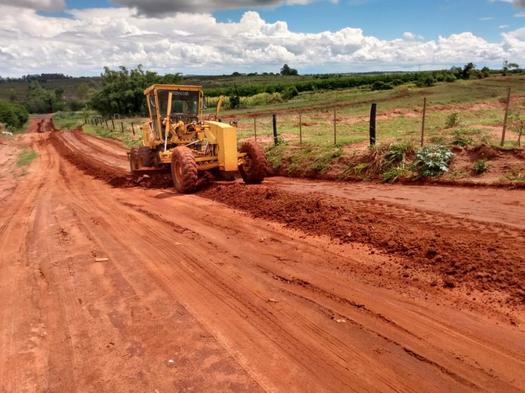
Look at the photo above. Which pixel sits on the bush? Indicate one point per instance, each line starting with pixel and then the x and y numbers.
pixel 12 114
pixel 480 166
pixel 290 92
pixel 432 160
pixel 460 138
pixel 75 105
pixel 427 81
pixel 235 101
pixel 452 120
pixel 380 85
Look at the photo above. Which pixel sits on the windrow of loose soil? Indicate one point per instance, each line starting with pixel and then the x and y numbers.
pixel 463 252
pixel 467 253
pixel 112 174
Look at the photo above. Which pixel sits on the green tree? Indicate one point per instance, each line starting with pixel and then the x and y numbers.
pixel 286 70
pixel 12 114
pixel 40 100
pixel 509 67
pixel 467 71
pixel 122 90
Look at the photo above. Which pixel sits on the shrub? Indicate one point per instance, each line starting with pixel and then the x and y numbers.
pixel 452 120
pixel 380 85
pixel 394 174
pixel 432 160
pixel 290 92
pixel 12 114
pixel 235 101
pixel 460 138
pixel 427 81
pixel 480 166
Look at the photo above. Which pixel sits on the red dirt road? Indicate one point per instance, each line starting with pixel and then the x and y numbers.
pixel 106 289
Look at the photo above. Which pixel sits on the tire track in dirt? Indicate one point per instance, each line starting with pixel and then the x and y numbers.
pixel 64 310
pixel 281 304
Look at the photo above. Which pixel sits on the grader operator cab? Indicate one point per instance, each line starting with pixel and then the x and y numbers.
pixel 177 138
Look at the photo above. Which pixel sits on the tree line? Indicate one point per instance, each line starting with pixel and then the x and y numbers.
pixel 122 90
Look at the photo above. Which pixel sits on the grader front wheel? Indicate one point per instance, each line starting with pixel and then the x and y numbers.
pixel 254 168
pixel 184 170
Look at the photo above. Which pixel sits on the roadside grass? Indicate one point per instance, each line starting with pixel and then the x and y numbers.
pixel 127 138
pixel 25 157
pixel 70 120
pixel 308 159
pixel 122 132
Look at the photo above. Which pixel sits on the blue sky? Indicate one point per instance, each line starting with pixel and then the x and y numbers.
pixel 209 37
pixel 387 19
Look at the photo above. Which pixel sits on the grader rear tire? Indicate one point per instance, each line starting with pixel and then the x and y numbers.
pixel 184 170
pixel 254 169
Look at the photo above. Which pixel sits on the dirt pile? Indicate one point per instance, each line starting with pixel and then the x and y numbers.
pixel 477 255
pixel 110 174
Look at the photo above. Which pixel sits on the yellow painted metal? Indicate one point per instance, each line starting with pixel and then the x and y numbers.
pixel 226 137
pixel 217 141
pixel 219 105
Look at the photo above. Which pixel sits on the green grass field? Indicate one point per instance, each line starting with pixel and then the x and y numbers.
pixel 479 105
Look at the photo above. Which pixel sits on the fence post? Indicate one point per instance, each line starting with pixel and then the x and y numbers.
pixel 423 121
pixel 255 127
pixel 122 127
pixel 133 128
pixel 507 107
pixel 275 135
pixel 300 128
pixel 373 113
pixel 106 122
pixel 335 126
pixel 113 124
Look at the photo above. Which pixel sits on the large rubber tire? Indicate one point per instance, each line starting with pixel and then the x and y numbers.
pixel 254 169
pixel 184 170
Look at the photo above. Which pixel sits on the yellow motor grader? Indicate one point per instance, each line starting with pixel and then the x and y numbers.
pixel 177 138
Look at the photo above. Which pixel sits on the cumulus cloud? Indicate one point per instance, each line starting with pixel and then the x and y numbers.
pixel 519 3
pixel 165 7
pixel 197 43
pixel 47 5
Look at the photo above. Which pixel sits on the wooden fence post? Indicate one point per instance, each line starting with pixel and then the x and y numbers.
pixel 106 122
pixel 122 127
pixel 300 128
pixel 335 126
pixel 373 114
pixel 133 128
pixel 255 128
pixel 113 124
pixel 423 121
pixel 275 135
pixel 505 121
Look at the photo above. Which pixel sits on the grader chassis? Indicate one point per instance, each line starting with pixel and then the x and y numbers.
pixel 176 138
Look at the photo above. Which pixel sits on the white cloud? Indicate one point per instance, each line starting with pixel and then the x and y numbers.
pixel 197 43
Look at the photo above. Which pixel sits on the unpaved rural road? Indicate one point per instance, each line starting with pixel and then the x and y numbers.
pixel 127 289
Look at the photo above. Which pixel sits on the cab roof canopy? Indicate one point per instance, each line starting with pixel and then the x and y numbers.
pixel 156 87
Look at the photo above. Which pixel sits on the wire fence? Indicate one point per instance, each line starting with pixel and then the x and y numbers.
pixel 493 123
pixel 497 122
